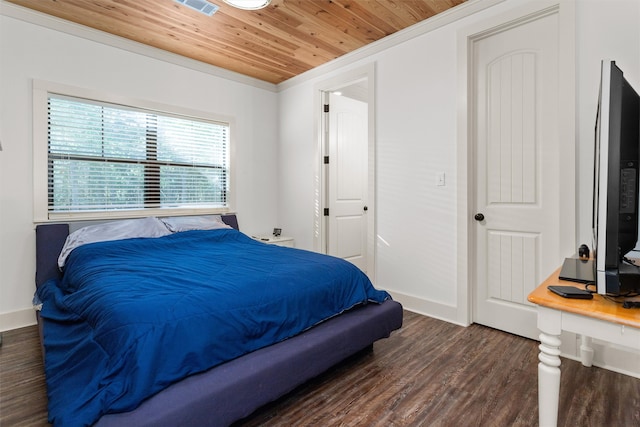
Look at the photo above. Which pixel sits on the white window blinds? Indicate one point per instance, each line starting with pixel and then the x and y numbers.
pixel 105 157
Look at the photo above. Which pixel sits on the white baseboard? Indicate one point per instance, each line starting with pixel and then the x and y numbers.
pixel 17 319
pixel 615 358
pixel 425 307
pixel 608 356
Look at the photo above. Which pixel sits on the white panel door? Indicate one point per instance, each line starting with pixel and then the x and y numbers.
pixel 515 97
pixel 348 184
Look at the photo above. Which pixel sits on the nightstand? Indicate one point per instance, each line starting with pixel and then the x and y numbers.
pixel 278 241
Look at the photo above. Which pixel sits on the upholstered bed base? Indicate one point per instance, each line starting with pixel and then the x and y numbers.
pixel 235 389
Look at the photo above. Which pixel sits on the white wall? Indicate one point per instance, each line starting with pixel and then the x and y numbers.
pixel 416 110
pixel 604 30
pixel 29 51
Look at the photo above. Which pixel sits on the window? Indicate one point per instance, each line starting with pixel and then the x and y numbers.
pixel 108 159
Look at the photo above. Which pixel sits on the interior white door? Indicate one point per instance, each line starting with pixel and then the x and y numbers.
pixel 348 184
pixel 515 135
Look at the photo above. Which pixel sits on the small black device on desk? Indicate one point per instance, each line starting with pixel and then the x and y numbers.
pixel 570 292
pixel 579 270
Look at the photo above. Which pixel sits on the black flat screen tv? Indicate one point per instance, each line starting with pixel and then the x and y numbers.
pixel 615 198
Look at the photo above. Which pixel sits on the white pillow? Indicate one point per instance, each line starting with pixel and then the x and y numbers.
pixel 116 230
pixel 186 223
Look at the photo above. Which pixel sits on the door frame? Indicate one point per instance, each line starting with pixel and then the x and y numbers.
pixel 466 201
pixel 320 222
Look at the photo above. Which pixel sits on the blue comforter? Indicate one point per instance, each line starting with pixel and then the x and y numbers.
pixel 130 317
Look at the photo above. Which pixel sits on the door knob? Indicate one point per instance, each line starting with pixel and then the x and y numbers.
pixel 366 208
pixel 479 217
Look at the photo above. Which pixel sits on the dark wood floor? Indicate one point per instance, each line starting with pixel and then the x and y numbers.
pixel 429 373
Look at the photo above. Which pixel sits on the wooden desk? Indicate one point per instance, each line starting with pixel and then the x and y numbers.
pixel 596 318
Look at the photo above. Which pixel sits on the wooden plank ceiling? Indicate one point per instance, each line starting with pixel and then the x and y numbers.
pixel 273 44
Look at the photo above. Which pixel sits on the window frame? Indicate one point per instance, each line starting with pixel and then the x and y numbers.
pixel 41 212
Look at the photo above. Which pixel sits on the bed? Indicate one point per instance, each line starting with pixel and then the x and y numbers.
pixel 168 382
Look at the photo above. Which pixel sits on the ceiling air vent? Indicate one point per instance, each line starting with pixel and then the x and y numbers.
pixel 201 6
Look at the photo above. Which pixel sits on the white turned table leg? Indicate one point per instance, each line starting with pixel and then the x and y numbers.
pixel 586 350
pixel 549 379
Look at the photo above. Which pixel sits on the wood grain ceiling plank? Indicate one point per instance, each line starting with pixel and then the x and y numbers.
pixel 277 30
pixel 265 42
pixel 419 9
pixel 286 27
pixel 341 19
pixel 361 10
pixel 322 27
pixel 245 42
pixel 235 53
pixel 391 12
pixel 440 6
pixel 349 12
pixel 413 11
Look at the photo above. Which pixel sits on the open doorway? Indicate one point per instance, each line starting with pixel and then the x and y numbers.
pixel 345 196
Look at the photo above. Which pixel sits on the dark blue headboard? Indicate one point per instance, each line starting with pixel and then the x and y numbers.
pixel 231 220
pixel 50 239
